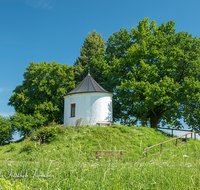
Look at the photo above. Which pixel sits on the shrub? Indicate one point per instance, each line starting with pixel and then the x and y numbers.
pixel 46 134
pixel 5 130
pixel 27 123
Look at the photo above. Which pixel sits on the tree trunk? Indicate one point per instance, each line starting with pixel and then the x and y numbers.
pixel 154 121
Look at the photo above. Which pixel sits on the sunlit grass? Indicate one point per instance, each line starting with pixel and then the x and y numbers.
pixel 69 162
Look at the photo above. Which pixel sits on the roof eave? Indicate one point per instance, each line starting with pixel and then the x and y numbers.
pixel 68 94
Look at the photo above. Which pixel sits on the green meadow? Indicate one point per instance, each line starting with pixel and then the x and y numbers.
pixel 69 163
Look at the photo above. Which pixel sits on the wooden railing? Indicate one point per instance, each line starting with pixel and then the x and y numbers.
pixel 176 129
pixel 146 149
pixel 114 151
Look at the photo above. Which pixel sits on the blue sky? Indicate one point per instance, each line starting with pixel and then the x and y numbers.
pixel 46 30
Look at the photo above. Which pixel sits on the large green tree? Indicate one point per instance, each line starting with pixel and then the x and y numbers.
pixel 42 90
pixel 118 44
pixel 93 44
pixel 157 76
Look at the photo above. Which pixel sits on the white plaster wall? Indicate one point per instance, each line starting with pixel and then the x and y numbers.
pixel 91 107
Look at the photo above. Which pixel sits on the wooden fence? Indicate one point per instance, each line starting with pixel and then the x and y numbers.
pixel 176 129
pixel 176 139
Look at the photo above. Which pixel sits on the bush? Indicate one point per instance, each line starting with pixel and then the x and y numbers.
pixel 5 130
pixel 27 123
pixel 46 134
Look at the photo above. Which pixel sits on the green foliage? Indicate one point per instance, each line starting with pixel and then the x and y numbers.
pixel 48 133
pixel 5 130
pixel 118 43
pixel 25 124
pixel 93 44
pixel 156 73
pixel 42 90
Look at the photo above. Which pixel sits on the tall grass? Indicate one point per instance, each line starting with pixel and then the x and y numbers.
pixel 69 163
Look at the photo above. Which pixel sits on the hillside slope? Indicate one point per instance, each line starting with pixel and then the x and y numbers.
pixel 68 162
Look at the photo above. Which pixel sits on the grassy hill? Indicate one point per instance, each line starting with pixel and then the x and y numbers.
pixel 69 163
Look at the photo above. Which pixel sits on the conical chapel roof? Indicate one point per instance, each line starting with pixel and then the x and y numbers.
pixel 88 85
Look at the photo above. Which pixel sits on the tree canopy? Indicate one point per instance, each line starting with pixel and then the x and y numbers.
pixel 42 90
pixel 153 72
pixel 156 73
pixel 93 44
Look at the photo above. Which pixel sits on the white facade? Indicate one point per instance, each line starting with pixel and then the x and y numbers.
pixel 91 107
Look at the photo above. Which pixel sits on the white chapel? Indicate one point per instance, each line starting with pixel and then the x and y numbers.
pixel 88 104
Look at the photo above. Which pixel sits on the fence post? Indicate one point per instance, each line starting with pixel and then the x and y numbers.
pixel 195 136
pixel 96 155
pixel 160 147
pixel 176 141
pixel 186 138
pixel 191 134
pixel 172 132
pixel 146 153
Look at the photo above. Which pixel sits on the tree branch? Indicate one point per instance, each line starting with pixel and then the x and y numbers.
pixel 154 112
